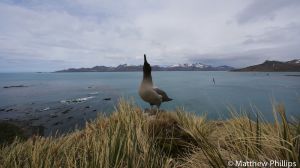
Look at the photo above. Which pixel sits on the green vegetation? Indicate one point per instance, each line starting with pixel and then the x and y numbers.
pixel 130 138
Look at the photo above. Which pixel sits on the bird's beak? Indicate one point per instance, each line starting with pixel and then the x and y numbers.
pixel 145 59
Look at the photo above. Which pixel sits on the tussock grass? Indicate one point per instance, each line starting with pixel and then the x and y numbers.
pixel 241 138
pixel 130 138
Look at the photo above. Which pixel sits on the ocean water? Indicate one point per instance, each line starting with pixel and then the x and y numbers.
pixel 51 99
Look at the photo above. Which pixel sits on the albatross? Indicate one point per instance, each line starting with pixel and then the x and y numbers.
pixel 147 91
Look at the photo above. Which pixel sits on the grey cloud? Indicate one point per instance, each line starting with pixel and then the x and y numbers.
pixel 103 32
pixel 289 34
pixel 30 65
pixel 264 10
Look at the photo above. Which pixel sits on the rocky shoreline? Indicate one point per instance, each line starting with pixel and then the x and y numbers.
pixel 54 118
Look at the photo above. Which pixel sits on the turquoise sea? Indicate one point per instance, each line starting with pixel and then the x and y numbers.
pixel 51 99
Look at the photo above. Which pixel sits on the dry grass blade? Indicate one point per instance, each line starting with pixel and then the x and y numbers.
pixel 130 138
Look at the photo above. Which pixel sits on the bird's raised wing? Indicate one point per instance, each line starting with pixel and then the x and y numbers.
pixel 163 94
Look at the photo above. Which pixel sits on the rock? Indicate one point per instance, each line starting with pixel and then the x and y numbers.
pixel 53 115
pixel 34 119
pixel 77 100
pixel 14 86
pixel 8 110
pixel 59 122
pixel 66 111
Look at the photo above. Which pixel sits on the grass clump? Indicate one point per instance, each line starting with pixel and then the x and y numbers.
pixel 130 138
pixel 8 132
pixel 122 140
pixel 242 139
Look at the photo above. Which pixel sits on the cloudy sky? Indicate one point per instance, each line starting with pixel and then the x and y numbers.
pixel 48 35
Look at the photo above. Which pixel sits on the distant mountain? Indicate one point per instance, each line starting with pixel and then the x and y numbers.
pixel 132 68
pixel 274 66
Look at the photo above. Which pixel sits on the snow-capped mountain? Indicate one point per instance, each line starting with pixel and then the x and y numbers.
pixel 129 68
pixel 187 65
pixel 295 61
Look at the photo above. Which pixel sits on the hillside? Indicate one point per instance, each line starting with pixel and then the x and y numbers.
pixel 132 138
pixel 132 68
pixel 274 66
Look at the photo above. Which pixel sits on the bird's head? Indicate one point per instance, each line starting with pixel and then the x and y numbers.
pixel 146 67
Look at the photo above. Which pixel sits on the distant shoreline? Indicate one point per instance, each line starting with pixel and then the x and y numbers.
pixel 293 75
pixel 182 71
pixel 134 68
pixel 153 71
pixel 273 66
pixel 267 66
